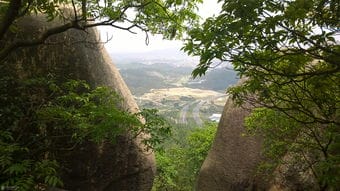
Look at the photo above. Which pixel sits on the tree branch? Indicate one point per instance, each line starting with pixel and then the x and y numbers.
pixel 25 43
pixel 59 29
pixel 13 12
pixel 10 16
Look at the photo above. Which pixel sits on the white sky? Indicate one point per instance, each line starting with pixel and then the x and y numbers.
pixel 125 42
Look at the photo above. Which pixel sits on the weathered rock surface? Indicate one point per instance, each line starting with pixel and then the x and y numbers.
pixel 76 54
pixel 231 162
pixel 290 176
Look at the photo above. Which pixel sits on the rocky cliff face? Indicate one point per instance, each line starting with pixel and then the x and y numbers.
pixel 231 162
pixel 77 54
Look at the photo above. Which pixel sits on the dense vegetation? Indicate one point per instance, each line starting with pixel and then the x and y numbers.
pixel 289 54
pixel 44 116
pixel 41 119
pixel 179 162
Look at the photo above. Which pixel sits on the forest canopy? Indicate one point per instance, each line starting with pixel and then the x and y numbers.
pixel 43 116
pixel 289 54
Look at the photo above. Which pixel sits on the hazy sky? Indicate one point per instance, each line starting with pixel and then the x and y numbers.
pixel 125 42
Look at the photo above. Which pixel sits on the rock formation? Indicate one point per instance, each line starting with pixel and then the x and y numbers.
pixel 289 176
pixel 76 54
pixel 231 162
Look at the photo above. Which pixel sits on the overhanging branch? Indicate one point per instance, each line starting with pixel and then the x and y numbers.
pixel 56 30
pixel 77 23
pixel 10 16
pixel 25 43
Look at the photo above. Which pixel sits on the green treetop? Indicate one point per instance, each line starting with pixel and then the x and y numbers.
pixel 289 54
pixel 168 17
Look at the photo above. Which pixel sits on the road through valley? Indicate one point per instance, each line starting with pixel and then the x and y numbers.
pixel 192 110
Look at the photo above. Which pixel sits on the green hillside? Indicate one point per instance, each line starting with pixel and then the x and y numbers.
pixel 141 78
pixel 217 79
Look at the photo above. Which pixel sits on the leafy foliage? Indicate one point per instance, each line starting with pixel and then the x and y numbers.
pixel 167 17
pixel 93 112
pixel 288 53
pixel 179 163
pixel 258 34
pixel 156 16
pixel 156 128
pixel 41 118
pixel 309 146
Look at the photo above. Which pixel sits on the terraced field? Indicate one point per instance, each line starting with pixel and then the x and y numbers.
pixel 185 105
pixel 177 96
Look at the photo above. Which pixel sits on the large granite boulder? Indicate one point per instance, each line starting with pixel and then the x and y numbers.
pixel 232 162
pixel 77 54
pixel 233 159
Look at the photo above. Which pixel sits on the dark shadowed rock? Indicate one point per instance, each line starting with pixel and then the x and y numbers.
pixel 291 176
pixel 76 54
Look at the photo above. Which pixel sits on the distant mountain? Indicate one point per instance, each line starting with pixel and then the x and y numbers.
pixel 170 56
pixel 167 68
pixel 162 80
pixel 141 78
pixel 217 79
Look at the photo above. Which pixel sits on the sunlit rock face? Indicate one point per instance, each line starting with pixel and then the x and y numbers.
pixel 232 161
pixel 78 55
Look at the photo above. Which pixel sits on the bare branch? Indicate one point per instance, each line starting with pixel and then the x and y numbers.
pixel 76 24
pixel 10 16
pixel 24 12
pixel 74 11
pixel 84 10
pixel 26 43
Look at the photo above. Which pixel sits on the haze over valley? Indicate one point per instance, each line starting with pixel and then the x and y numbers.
pixel 159 80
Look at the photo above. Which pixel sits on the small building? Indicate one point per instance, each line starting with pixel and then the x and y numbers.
pixel 215 117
